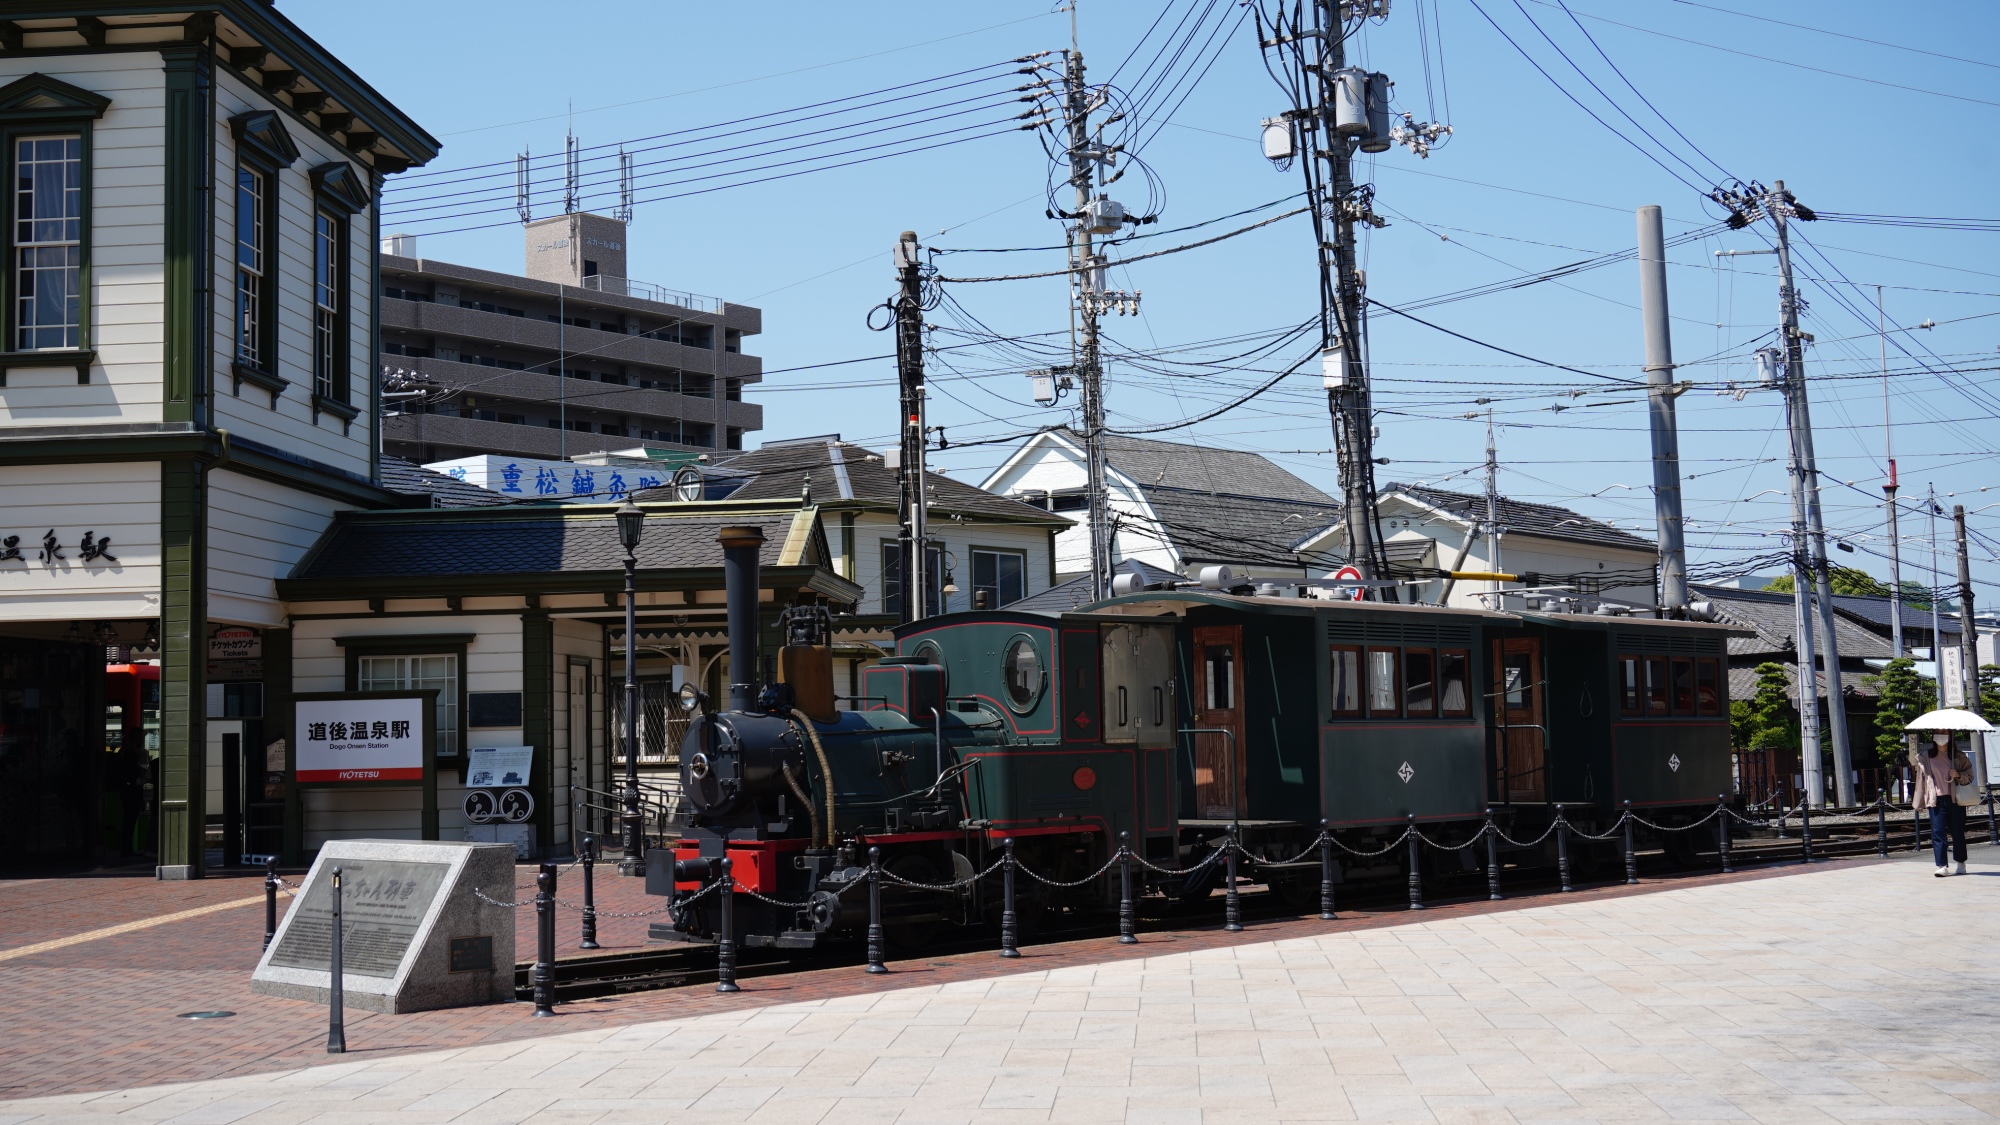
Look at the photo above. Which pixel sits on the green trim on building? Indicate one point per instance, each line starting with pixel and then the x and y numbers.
pixel 189 157
pixel 183 667
pixel 538 655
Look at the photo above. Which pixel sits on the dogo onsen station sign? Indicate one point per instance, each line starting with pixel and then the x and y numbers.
pixel 361 737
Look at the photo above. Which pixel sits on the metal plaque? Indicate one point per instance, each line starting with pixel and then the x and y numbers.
pixel 383 903
pixel 471 954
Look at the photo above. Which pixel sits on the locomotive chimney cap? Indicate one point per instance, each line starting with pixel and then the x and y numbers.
pixel 740 536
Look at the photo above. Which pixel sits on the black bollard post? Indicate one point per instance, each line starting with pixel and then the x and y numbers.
pixel 725 940
pixel 1722 830
pixel 1992 824
pixel 1916 827
pixel 1326 913
pixel 875 964
pixel 1416 880
pixel 1007 934
pixel 1232 909
pixel 543 975
pixel 1805 834
pixel 1125 920
pixel 270 901
pixel 336 998
pixel 1492 859
pixel 589 895
pixel 1882 823
pixel 1562 848
pixel 1631 851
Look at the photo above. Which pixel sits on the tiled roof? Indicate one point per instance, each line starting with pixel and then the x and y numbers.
pixel 388 545
pixel 1520 517
pixel 1877 612
pixel 1743 683
pixel 1207 527
pixel 856 473
pixel 1770 617
pixel 1204 469
pixel 412 479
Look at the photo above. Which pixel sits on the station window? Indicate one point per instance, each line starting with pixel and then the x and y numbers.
pixel 1383 685
pixel 1454 680
pixel 416 673
pixel 1000 575
pixel 1419 682
pixel 1344 679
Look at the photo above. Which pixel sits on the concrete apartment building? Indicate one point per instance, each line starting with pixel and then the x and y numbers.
pixel 572 358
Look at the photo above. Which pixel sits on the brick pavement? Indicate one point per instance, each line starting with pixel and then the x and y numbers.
pixel 102 1015
pixel 1764 998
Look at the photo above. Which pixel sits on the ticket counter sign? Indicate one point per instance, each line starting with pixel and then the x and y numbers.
pixel 363 737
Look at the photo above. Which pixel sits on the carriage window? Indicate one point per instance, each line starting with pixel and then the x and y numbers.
pixel 1683 684
pixel 1344 679
pixel 1221 661
pixel 1630 700
pixel 1382 681
pixel 1454 672
pixel 1656 685
pixel 1023 668
pixel 1419 686
pixel 1707 686
pixel 1514 685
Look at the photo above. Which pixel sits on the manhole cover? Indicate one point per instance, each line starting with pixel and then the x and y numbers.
pixel 205 1015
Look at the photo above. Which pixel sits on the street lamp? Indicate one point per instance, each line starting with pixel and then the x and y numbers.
pixel 631 521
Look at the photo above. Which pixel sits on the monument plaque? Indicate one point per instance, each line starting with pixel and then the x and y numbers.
pixel 386 903
pixel 415 934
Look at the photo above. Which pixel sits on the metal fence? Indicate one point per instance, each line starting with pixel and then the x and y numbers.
pixel 647 291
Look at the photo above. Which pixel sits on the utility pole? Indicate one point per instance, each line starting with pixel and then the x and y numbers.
pixel 1968 637
pixel 1660 393
pixel 1889 492
pixel 1808 530
pixel 1493 508
pixel 1091 296
pixel 1937 588
pixel 909 310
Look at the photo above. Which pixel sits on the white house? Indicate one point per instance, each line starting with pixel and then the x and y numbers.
pixel 1173 506
pixel 187 392
pixel 1430 529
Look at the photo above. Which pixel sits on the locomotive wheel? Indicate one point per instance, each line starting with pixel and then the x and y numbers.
pixel 910 935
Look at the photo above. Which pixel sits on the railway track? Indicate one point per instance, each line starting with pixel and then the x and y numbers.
pixel 663 967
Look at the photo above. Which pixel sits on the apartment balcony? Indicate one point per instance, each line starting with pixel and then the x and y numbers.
pixel 551 338
pixel 637 404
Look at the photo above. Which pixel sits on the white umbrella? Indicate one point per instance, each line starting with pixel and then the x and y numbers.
pixel 1951 718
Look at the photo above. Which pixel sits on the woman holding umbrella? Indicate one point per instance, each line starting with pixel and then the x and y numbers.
pixel 1939 769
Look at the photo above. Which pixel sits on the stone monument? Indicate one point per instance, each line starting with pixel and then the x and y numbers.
pixel 415 935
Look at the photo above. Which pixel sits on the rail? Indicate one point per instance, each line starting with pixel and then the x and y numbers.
pixel 647 291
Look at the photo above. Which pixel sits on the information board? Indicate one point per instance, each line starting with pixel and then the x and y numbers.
pixel 361 738
pixel 498 767
pixel 383 903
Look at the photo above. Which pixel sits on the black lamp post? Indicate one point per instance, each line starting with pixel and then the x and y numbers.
pixel 631 521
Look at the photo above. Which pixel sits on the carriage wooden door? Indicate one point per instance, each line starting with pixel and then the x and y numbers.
pixel 1521 751
pixel 1218 706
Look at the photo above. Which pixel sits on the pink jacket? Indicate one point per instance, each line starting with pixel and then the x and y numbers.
pixel 1933 780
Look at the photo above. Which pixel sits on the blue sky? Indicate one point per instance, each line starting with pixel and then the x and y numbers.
pixel 1873 118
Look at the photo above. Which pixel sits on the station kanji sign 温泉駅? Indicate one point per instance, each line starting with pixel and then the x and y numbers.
pixel 360 739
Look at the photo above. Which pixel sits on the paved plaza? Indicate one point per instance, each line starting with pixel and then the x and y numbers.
pixel 1856 991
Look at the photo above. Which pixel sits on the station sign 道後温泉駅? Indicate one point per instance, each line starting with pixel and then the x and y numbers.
pixel 360 739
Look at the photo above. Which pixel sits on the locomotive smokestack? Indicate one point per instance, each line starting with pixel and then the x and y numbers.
pixel 741 582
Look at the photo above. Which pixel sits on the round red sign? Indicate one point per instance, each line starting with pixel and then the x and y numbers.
pixel 1084 777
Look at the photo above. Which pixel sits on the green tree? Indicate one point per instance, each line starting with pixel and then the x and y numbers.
pixel 1846 581
pixel 1767 720
pixel 1901 695
pixel 1989 692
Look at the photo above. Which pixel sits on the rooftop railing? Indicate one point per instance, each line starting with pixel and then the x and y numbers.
pixel 647 291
